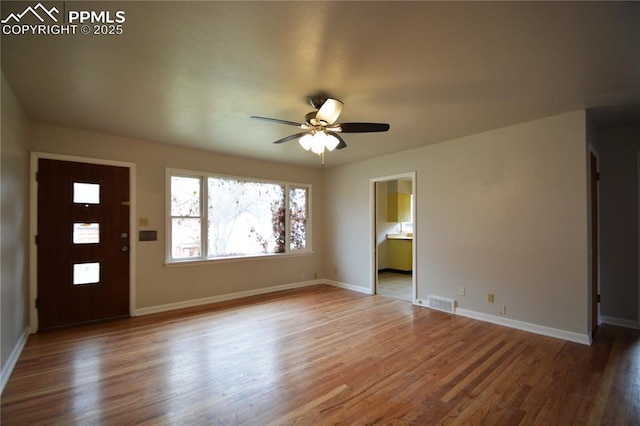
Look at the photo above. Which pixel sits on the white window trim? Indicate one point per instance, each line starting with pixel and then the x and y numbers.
pixel 204 219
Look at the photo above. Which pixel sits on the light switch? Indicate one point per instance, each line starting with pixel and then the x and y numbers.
pixel 143 221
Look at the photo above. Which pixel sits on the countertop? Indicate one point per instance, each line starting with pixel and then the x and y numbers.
pixel 406 236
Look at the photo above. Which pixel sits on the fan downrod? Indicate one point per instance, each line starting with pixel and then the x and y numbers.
pixel 318 99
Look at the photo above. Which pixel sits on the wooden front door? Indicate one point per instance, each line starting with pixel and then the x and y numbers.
pixel 83 243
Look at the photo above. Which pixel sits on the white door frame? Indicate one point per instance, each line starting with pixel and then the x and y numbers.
pixel 33 227
pixel 373 244
pixel 638 236
pixel 592 151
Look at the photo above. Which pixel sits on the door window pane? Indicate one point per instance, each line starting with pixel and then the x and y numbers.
pixel 86 193
pixel 86 273
pixel 86 233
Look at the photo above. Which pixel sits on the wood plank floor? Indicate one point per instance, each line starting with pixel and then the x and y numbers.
pixel 320 355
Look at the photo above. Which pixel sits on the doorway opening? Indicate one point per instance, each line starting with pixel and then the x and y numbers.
pixel 394 235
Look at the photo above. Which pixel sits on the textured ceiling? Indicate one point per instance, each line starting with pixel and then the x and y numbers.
pixel 191 73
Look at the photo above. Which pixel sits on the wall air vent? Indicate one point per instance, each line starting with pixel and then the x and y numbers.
pixel 441 304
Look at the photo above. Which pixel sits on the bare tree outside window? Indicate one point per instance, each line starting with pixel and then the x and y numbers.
pixel 185 217
pixel 298 212
pixel 243 217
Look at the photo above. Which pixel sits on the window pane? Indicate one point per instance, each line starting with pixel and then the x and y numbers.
pixel 86 193
pixel 185 238
pixel 86 273
pixel 245 218
pixel 185 196
pixel 86 233
pixel 298 213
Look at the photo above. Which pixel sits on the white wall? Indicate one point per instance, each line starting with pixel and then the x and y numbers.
pixel 14 151
pixel 160 285
pixel 618 223
pixel 503 212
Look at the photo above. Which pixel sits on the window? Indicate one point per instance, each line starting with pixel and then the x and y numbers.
pixel 186 221
pixel 86 233
pixel 86 193
pixel 298 213
pixel 220 217
pixel 86 273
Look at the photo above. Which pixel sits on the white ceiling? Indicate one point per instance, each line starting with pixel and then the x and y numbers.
pixel 191 73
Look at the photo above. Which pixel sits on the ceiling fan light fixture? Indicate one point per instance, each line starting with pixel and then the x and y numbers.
pixel 329 111
pixel 331 142
pixel 318 142
pixel 306 141
pixel 321 130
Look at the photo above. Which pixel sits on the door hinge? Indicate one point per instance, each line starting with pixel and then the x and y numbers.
pixel 37 303
pixel 598 298
pixel 37 239
pixel 597 175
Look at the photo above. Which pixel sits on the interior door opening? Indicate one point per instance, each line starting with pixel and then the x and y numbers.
pixel 394 237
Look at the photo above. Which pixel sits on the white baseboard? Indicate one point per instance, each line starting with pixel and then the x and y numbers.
pixel 621 322
pixel 570 336
pixel 222 298
pixel 349 286
pixel 12 360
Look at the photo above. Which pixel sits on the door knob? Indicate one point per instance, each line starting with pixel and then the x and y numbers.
pixel 124 248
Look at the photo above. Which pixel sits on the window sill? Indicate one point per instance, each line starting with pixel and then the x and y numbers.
pixel 194 262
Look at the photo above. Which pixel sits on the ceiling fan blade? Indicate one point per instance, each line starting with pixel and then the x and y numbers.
pixel 329 111
pixel 277 120
pixel 363 127
pixel 342 143
pixel 291 137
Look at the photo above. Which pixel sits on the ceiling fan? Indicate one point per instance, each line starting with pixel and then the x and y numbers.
pixel 320 128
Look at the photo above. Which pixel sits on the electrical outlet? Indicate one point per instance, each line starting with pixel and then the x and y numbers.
pixel 461 291
pixel 315 275
pixel 143 221
pixel 335 271
pixel 490 298
pixel 502 310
